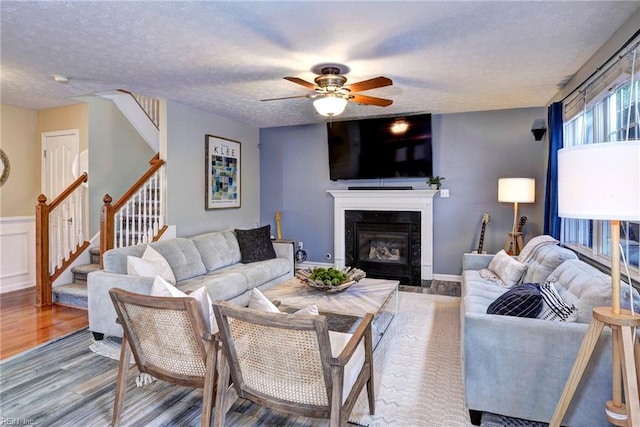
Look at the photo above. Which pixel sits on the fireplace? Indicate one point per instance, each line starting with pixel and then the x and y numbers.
pixel 404 241
pixel 385 244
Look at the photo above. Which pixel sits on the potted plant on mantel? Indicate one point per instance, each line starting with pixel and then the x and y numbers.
pixel 435 182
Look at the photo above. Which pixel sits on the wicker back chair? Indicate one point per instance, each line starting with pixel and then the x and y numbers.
pixel 169 342
pixel 292 363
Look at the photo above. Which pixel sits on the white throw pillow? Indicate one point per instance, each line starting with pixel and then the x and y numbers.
pixel 489 275
pixel 258 301
pixel 508 269
pixel 161 288
pixel 553 306
pixel 151 264
pixel 312 309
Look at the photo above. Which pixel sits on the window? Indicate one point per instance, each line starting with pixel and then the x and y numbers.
pixel 607 118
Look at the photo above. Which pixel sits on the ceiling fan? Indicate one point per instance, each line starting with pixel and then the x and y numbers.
pixel 331 95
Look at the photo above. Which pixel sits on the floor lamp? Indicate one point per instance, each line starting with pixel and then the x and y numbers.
pixel 602 181
pixel 516 190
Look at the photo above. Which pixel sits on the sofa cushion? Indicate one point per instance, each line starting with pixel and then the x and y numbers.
pixel 255 244
pixel 115 260
pixel 182 256
pixel 543 260
pixel 151 264
pixel 507 268
pixel 261 272
pixel 553 306
pixel 218 249
pixel 521 301
pixel 222 284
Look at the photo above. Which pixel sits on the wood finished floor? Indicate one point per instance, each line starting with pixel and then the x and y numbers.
pixel 24 326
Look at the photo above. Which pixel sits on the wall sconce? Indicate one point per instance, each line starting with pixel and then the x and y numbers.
pixel 538 129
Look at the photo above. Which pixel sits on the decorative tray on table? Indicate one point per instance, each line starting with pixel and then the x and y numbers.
pixel 330 279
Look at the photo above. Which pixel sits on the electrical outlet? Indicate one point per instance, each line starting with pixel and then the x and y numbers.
pixel 300 245
pixel 444 192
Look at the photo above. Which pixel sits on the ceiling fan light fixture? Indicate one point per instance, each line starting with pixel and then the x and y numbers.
pixel 330 105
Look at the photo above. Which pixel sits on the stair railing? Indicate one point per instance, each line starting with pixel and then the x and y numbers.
pixel 151 106
pixel 60 228
pixel 138 217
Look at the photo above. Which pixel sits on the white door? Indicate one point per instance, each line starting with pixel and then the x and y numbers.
pixel 59 149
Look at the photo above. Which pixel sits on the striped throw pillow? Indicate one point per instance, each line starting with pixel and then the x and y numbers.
pixel 553 306
pixel 520 301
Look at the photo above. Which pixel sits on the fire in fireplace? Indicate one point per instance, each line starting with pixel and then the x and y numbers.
pixel 385 244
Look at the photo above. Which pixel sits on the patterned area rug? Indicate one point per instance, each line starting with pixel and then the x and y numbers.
pixel 417 365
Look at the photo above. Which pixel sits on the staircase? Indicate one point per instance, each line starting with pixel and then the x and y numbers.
pixel 136 218
pixel 75 294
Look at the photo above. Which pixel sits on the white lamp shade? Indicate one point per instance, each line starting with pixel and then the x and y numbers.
pixel 330 105
pixel 600 181
pixel 520 190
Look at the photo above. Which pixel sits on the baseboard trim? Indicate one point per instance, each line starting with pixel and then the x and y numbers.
pixel 447 277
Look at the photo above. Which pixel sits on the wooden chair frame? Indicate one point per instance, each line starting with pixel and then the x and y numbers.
pixel 205 347
pixel 332 367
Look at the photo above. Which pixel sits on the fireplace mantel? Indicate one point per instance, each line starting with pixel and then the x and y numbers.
pixel 385 200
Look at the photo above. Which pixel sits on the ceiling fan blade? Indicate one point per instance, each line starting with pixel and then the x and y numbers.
pixel 301 82
pixel 370 100
pixel 286 97
pixel 370 84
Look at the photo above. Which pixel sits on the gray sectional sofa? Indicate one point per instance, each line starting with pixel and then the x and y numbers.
pixel 212 260
pixel 518 366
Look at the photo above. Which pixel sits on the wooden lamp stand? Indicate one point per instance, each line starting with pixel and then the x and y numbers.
pixel 625 356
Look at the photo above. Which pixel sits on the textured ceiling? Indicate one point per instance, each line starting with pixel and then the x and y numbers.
pixel 223 57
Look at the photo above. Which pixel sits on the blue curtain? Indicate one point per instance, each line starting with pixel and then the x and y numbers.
pixel 551 219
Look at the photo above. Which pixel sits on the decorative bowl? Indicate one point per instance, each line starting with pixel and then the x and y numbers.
pixel 353 275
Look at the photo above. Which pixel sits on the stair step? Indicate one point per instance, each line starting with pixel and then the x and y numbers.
pixel 94 252
pixel 80 272
pixel 72 294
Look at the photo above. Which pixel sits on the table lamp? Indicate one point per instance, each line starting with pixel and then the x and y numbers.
pixel 516 190
pixel 602 182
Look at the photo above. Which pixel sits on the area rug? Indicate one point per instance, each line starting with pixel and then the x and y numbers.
pixel 418 378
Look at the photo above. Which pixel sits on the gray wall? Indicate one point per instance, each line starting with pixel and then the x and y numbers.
pixel 118 156
pixel 472 150
pixel 186 129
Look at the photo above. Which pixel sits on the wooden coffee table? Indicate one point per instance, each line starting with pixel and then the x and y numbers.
pixel 345 309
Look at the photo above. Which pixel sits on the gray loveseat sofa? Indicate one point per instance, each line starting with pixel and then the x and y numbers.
pixel 518 366
pixel 212 260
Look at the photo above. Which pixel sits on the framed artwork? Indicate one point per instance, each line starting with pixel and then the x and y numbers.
pixel 222 173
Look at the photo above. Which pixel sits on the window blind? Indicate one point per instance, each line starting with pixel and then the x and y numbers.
pixel 607 78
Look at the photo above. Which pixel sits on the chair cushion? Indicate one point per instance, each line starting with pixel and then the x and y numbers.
pixel 521 301
pixel 151 264
pixel 353 367
pixel 161 288
pixel 255 245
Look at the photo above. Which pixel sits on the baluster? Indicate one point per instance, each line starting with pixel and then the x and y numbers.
pixel 80 214
pixel 160 201
pixel 119 229
pixel 138 218
pixel 145 213
pixel 127 224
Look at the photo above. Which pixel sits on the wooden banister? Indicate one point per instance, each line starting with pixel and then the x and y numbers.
pixel 156 163
pixel 110 211
pixel 44 276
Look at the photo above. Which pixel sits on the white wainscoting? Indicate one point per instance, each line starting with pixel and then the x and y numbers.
pixel 17 253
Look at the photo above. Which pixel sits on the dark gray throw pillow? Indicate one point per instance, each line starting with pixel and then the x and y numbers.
pixel 522 300
pixel 255 244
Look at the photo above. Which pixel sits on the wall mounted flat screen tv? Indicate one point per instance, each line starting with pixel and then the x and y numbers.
pixel 390 147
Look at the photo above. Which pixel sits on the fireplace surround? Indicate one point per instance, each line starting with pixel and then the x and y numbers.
pixel 417 201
